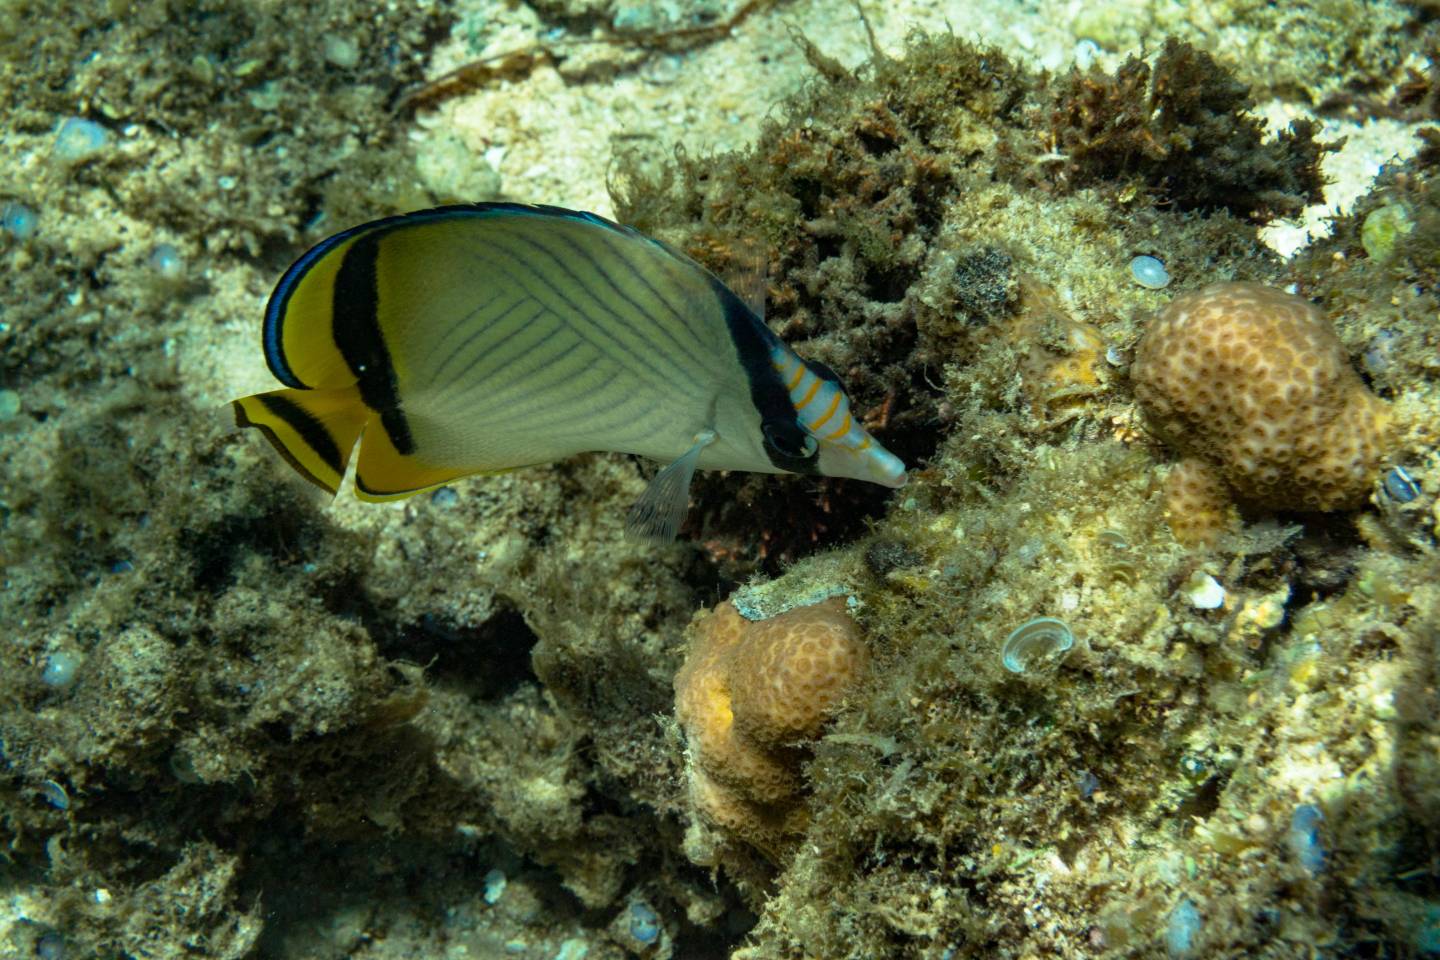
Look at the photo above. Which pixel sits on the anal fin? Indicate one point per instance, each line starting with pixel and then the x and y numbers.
pixel 314 430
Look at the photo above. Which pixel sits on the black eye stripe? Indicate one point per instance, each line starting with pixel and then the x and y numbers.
pixel 783 434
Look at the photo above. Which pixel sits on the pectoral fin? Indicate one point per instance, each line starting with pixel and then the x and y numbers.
pixel 658 513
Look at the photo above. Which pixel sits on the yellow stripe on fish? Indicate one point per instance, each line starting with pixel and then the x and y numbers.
pixel 477 339
pixel 819 400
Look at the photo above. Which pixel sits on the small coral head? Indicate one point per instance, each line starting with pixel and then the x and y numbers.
pixel 746 696
pixel 1255 382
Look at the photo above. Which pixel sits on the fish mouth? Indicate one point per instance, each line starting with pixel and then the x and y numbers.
pixel 896 483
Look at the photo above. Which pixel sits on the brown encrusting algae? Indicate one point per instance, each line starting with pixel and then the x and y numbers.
pixel 1143 661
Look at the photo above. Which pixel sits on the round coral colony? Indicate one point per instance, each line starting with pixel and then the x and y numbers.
pixel 1253 383
pixel 746 693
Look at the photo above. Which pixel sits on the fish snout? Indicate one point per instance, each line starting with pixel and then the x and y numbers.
pixel 885 468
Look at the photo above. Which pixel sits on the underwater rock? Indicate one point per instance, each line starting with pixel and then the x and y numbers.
pixel 747 691
pixel 80 140
pixel 1254 382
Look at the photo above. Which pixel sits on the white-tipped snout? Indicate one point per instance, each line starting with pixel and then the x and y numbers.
pixel 871 463
pixel 885 468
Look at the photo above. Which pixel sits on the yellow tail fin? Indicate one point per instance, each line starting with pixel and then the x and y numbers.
pixel 315 430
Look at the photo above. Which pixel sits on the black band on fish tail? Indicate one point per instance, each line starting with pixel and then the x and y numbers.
pixel 355 326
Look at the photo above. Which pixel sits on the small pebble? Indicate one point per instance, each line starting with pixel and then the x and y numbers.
pixel 632 17
pixel 1088 783
pixel 1400 486
pixel 1303 837
pixel 644 923
pixel 9 405
pixel 445 497
pixel 1181 930
pixel 494 886
pixel 19 220
pixel 341 51
pixel 60 670
pixel 167 262
pixel 573 949
pixel 1149 272
pixel 79 140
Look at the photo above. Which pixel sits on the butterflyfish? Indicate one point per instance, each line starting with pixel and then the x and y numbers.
pixel 484 338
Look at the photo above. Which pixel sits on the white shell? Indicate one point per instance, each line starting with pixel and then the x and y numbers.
pixel 1204 592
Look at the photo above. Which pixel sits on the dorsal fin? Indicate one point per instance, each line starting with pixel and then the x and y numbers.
pixel 824 371
pixel 747 276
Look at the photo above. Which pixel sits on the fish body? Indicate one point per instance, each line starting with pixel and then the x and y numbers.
pixel 483 338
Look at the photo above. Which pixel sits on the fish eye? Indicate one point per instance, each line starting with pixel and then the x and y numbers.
pixel 775 435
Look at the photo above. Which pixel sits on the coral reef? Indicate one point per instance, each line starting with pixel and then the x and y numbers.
pixel 1255 382
pixel 878 225
pixel 236 721
pixel 746 696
